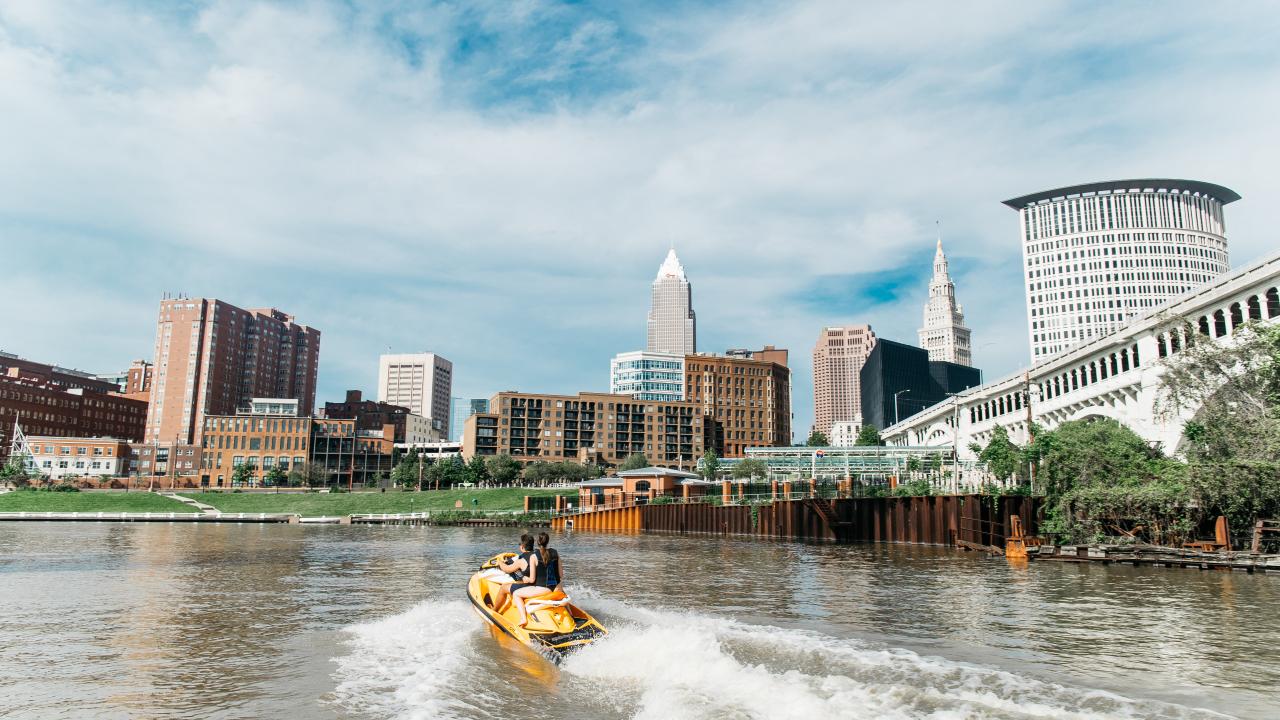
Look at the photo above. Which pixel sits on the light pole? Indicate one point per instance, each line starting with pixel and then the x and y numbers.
pixel 895 404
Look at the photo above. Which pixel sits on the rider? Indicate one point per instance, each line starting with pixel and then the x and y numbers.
pixel 535 578
pixel 518 568
pixel 555 573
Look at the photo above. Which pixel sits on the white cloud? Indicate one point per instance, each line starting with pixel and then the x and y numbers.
pixel 508 207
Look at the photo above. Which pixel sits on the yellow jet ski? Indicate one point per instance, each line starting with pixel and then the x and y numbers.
pixel 555 626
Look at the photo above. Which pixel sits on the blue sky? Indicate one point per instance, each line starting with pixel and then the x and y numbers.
pixel 498 182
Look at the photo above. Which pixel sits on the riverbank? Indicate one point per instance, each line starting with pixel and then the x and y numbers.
pixel 486 500
pixel 113 502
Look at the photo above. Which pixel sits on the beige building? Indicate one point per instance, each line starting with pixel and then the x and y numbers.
pixel 837 360
pixel 64 457
pixel 422 382
pixel 745 399
pixel 594 428
pixel 212 358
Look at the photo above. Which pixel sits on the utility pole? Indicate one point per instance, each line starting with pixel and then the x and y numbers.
pixel 895 404
pixel 955 442
pixel 419 471
pixel 1031 438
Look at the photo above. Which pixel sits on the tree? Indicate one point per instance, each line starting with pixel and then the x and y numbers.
pixel 405 473
pixel 710 465
pixel 817 438
pixel 309 474
pixel 1001 457
pixel 446 473
pixel 477 471
pixel 503 469
pixel 275 477
pixel 242 475
pixel 750 469
pixel 634 461
pixel 868 435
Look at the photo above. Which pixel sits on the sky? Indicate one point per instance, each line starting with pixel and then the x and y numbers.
pixel 499 181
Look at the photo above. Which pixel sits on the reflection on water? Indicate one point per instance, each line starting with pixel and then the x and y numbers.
pixel 222 621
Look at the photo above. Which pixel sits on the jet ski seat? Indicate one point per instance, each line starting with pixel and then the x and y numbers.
pixel 555 598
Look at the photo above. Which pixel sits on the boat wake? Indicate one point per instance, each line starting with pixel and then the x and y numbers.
pixel 438 660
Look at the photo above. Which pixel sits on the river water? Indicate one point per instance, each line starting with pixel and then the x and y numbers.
pixel 264 621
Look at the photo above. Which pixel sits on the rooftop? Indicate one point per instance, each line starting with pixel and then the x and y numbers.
pixel 1218 192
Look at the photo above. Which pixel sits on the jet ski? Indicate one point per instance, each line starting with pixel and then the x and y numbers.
pixel 556 626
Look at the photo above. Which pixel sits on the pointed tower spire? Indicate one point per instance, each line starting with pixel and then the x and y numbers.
pixel 672 323
pixel 944 334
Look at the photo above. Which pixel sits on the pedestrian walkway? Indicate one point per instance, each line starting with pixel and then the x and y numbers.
pixel 202 507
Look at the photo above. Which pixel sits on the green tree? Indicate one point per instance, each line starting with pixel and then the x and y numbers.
pixel 710 465
pixel 817 438
pixel 446 473
pixel 1001 457
pixel 477 471
pixel 276 476
pixel 503 469
pixel 243 474
pixel 868 435
pixel 750 469
pixel 634 461
pixel 913 464
pixel 405 473
pixel 308 474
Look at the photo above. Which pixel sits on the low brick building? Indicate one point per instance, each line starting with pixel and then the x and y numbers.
pixel 596 428
pixel 45 407
pixel 60 458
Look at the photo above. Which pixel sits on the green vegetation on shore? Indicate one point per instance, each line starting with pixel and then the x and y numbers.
pixel 392 501
pixel 45 501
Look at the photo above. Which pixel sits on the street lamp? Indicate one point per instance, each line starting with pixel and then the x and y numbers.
pixel 895 404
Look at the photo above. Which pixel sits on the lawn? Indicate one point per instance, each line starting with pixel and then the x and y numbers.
pixel 31 501
pixel 392 501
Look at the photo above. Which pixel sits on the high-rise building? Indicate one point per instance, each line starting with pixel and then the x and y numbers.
pixel 1098 254
pixel 745 401
pixel 421 382
pixel 647 375
pixel 212 358
pixel 837 359
pixel 463 408
pixel 672 326
pixel 899 380
pixel 588 428
pixel 944 334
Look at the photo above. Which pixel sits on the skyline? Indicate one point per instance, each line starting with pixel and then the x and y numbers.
pixel 350 173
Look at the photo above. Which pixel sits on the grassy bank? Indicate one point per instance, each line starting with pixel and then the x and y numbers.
pixel 32 501
pixel 392 501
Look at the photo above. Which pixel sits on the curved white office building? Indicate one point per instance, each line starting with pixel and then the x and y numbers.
pixel 1095 255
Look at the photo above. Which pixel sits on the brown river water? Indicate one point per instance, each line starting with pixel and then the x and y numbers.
pixel 102 620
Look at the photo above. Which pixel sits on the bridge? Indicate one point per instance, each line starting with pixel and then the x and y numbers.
pixel 1115 375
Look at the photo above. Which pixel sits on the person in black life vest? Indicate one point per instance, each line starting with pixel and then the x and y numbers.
pixel 535 576
pixel 517 568
pixel 555 573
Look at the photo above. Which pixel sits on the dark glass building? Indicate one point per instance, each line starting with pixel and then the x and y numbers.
pixel 899 380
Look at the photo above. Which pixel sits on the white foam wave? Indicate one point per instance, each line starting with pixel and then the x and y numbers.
pixel 403 666
pixel 663 664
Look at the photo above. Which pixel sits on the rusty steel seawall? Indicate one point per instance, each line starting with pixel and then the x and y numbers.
pixel 927 520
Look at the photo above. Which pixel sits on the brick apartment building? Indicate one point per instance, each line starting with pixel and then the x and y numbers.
pixel 65 457
pixel 372 415
pixel 349 457
pixel 744 396
pixel 212 357
pixel 42 406
pixel 589 427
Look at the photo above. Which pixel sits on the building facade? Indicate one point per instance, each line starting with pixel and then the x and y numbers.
pixel 212 358
pixel 845 433
pixel 463 408
pixel 647 375
pixel 1096 255
pixel 944 334
pixel 164 460
pixel 597 428
pixel 672 326
pixel 899 380
pixel 837 361
pixel 422 382
pixel 67 457
pixel 45 408
pixel 745 402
